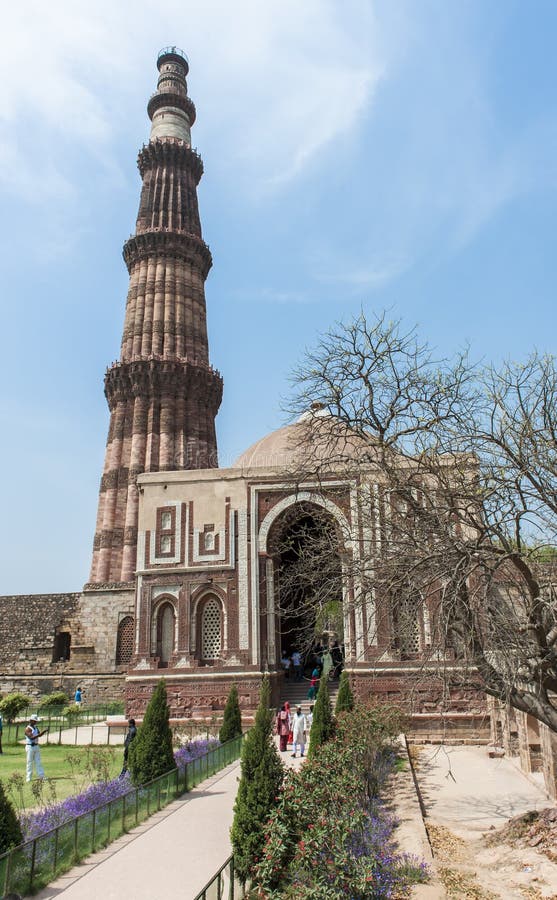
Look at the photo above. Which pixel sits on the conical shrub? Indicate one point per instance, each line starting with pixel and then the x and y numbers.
pixel 10 831
pixel 345 698
pixel 260 782
pixel 232 720
pixel 323 725
pixel 150 753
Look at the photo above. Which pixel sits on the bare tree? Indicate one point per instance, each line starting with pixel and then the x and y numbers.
pixel 464 518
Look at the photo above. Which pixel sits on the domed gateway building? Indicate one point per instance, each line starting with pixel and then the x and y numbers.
pixel 222 562
pixel 210 576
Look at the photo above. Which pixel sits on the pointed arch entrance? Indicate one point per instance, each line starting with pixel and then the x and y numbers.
pixel 305 546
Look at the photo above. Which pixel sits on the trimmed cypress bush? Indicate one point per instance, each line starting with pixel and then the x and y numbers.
pixel 10 832
pixel 260 782
pixel 323 725
pixel 232 719
pixel 150 753
pixel 345 698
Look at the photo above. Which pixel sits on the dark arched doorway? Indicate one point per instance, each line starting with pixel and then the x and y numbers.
pixel 306 548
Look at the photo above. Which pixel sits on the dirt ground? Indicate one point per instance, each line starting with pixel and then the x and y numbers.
pixel 484 847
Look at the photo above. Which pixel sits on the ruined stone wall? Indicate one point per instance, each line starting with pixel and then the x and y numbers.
pixel 29 625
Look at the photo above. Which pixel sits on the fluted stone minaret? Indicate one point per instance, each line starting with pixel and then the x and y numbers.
pixel 162 393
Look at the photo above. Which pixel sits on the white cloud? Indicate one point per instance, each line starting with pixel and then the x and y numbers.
pixel 280 79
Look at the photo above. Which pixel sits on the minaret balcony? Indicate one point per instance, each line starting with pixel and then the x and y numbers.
pixel 172 100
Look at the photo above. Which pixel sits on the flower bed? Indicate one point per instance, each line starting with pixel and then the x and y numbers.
pixel 331 834
pixel 38 822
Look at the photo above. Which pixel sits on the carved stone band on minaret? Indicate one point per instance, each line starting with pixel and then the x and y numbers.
pixel 168 244
pixel 153 378
pixel 169 153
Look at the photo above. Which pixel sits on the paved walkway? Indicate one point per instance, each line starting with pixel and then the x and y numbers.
pixel 468 792
pixel 173 854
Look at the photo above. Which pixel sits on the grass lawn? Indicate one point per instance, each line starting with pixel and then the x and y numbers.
pixel 66 778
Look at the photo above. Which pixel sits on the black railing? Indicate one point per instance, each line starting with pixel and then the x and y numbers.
pixel 223 885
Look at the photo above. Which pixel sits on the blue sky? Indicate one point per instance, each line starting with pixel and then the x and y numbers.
pixel 396 154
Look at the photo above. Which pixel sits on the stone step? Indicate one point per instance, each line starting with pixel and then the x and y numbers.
pixel 296 692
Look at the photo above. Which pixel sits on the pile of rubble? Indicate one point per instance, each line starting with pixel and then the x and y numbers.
pixel 532 829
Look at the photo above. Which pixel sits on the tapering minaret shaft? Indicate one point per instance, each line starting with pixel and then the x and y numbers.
pixel 163 395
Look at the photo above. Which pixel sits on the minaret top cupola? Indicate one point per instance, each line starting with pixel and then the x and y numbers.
pixel 171 111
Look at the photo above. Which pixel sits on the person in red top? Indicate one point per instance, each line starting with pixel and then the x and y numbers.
pixel 290 717
pixel 283 727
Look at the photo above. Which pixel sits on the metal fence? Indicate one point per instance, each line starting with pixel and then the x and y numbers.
pixel 32 865
pixel 223 885
pixel 90 727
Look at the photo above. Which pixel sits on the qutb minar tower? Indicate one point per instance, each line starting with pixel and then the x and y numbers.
pixel 162 393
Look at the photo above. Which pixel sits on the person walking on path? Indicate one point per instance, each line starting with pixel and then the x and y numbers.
pixel 78 697
pixel 32 749
pixel 299 731
pixel 132 731
pixel 289 711
pixel 283 727
pixel 297 665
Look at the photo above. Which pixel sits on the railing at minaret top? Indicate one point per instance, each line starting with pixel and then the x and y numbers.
pixel 173 51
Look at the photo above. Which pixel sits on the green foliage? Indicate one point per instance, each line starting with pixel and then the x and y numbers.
pixel 260 782
pixel 328 836
pixel 345 698
pixel 13 704
pixel 54 700
pixel 72 713
pixel 150 753
pixel 10 832
pixel 323 725
pixel 232 719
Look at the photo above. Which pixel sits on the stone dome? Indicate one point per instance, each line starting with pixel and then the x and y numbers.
pixel 288 446
pixel 277 449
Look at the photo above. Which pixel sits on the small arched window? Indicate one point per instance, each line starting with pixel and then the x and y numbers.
pixel 211 630
pixel 165 634
pixel 407 613
pixel 124 641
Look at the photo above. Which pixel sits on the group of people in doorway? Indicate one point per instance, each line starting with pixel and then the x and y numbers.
pixel 293 728
pixel 321 662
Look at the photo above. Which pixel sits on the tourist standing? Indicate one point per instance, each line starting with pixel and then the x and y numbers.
pixel 297 665
pixel 78 697
pixel 327 664
pixel 299 731
pixel 132 731
pixel 283 727
pixel 285 663
pixel 32 749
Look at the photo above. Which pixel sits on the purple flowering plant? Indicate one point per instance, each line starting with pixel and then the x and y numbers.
pixel 51 815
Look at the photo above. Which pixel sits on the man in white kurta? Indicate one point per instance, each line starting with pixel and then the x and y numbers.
pixel 299 731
